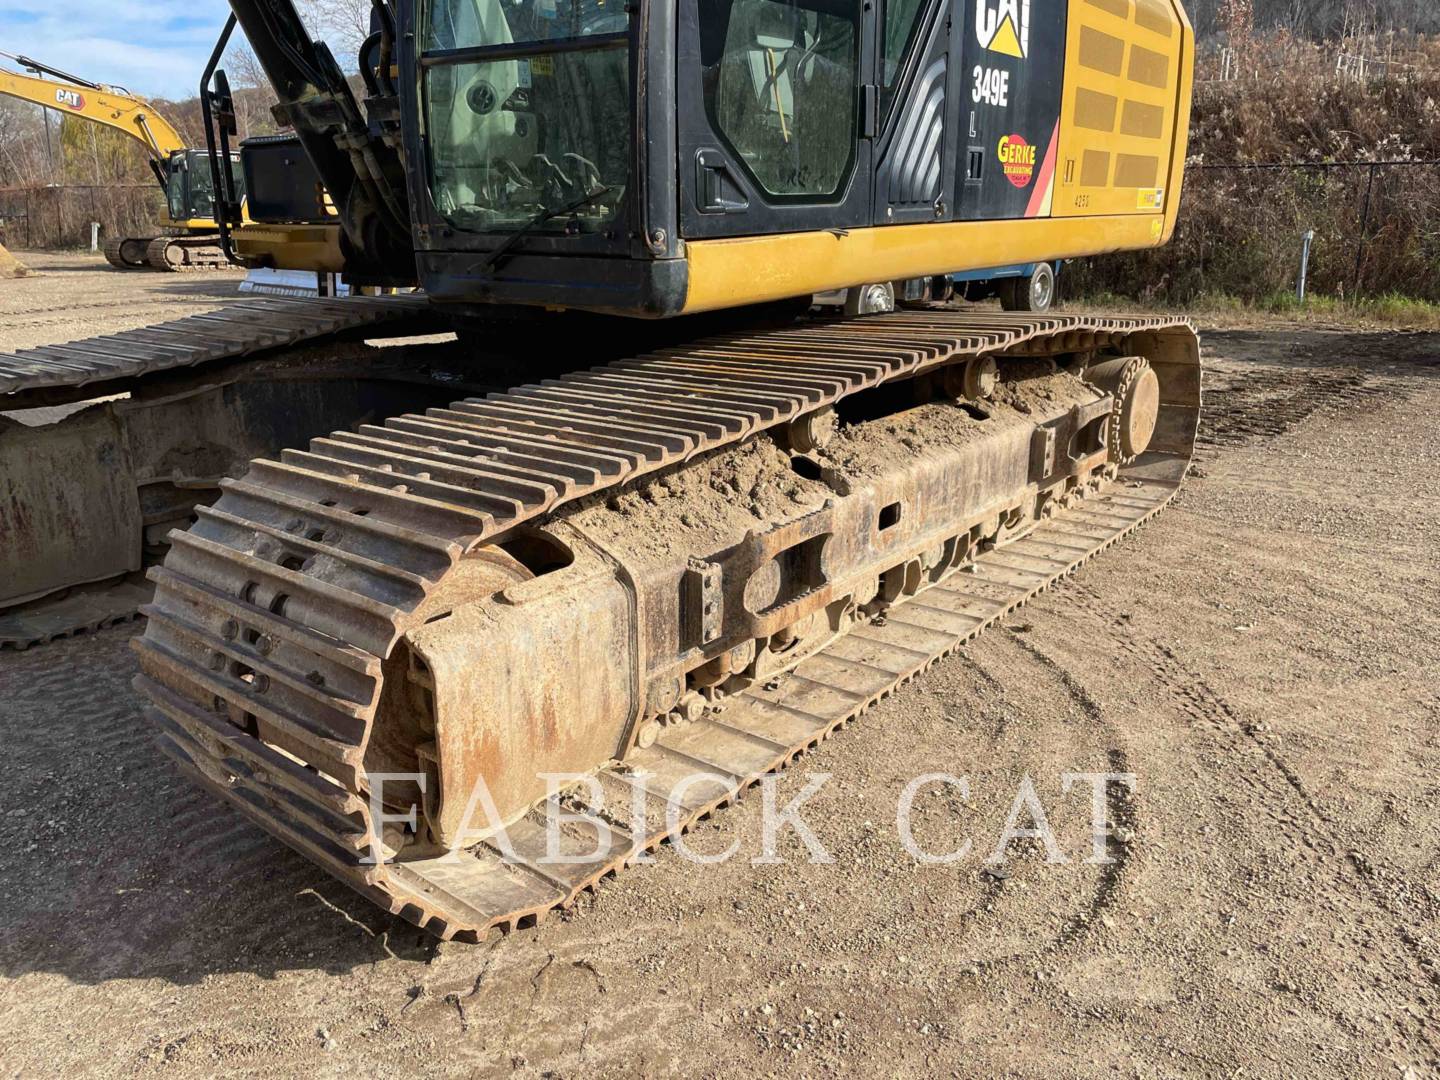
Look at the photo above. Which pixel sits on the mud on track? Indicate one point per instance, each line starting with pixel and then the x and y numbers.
pixel 1262 658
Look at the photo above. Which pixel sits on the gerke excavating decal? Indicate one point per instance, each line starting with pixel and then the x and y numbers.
pixel 1017 159
pixel 1003 26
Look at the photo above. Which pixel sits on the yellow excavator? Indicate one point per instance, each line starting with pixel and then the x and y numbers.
pixel 743 470
pixel 183 173
pixel 304 238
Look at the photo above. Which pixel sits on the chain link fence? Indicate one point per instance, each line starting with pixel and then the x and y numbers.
pixel 1241 230
pixel 59 215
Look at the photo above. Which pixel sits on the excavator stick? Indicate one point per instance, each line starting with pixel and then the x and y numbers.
pixel 664 578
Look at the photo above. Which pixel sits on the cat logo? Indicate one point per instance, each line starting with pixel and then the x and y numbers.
pixel 1003 26
pixel 70 98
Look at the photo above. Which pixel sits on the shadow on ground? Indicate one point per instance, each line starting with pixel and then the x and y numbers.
pixel 118 868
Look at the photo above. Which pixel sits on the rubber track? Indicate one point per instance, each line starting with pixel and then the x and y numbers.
pixel 272 615
pixel 236 330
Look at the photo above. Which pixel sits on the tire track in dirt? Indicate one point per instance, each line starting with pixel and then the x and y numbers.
pixel 1120 803
pixel 224 888
pixel 1268 402
pixel 1205 705
pixel 70 312
pixel 1122 810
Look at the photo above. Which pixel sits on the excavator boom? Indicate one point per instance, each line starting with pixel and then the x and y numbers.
pixel 106 105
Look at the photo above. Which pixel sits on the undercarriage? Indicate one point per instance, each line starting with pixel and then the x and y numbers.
pixel 664 578
pixel 167 253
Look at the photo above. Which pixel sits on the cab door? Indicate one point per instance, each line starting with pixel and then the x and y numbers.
pixel 919 85
pixel 777 110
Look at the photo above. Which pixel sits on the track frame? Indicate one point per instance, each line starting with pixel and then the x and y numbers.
pixel 263 660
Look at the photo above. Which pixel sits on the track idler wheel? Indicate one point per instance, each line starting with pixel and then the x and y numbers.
pixel 1133 384
pixel 126 253
pixel 166 253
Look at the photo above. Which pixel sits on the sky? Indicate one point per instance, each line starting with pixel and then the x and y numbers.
pixel 155 48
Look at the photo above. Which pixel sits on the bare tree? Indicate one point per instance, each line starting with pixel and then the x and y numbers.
pixel 342 24
pixel 22 143
pixel 1327 19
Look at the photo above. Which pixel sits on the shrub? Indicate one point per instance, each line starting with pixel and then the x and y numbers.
pixel 1239 230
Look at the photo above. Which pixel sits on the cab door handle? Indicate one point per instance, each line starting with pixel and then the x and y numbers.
pixel 869 111
pixel 716 190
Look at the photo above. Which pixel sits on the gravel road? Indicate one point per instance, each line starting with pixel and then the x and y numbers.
pixel 69 296
pixel 1263 659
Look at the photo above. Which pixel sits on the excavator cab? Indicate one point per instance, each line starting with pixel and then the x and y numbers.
pixel 566 118
pixel 190 188
pixel 656 159
pixel 663 159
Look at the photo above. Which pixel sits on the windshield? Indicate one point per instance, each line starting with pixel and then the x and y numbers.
pixel 175 188
pixel 511 136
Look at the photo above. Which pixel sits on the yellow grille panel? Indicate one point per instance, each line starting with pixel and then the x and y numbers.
pixel 1095 111
pixel 1155 16
pixel 1101 52
pixel 1119 111
pixel 1136 171
pixel 1095 171
pixel 1118 8
pixel 1149 68
pixel 1143 121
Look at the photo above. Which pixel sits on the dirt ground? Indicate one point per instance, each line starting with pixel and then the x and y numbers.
pixel 1264 659
pixel 68 295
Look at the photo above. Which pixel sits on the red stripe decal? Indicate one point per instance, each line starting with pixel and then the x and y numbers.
pixel 1047 176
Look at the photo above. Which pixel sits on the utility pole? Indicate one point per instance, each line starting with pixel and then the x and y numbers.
pixel 49 150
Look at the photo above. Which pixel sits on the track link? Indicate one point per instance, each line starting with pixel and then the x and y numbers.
pixel 263 658
pixel 175 254
pixel 95 366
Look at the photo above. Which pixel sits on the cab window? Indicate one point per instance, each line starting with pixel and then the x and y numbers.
pixel 781 87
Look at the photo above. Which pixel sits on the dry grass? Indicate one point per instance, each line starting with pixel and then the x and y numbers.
pixel 1227 311
pixel 1239 231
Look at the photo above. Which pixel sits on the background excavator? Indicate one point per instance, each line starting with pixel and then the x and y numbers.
pixel 108 443
pixel 295 229
pixel 183 173
pixel 697 525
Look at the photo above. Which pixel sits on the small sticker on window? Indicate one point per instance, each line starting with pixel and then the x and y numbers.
pixel 522 74
pixel 542 65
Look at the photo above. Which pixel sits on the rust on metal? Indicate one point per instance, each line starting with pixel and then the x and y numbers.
pixel 436 596
pixel 244 328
